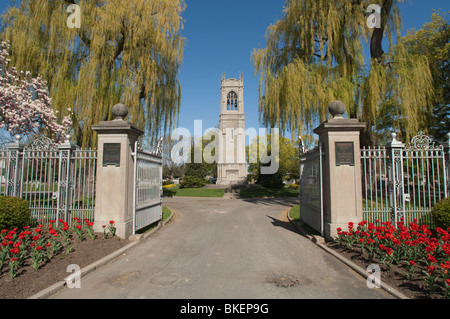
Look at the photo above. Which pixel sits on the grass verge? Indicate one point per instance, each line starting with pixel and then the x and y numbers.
pixel 294 213
pixel 165 214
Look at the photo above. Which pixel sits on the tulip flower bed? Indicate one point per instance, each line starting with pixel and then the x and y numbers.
pixel 32 259
pixel 413 258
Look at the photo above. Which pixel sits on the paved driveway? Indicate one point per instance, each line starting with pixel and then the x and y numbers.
pixel 225 248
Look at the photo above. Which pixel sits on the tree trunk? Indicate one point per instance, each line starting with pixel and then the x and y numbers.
pixel 376 49
pixel 368 137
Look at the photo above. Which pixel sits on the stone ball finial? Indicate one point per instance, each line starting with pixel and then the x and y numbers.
pixel 337 109
pixel 394 137
pixel 119 111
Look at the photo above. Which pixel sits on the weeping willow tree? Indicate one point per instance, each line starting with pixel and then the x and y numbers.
pixel 315 55
pixel 124 51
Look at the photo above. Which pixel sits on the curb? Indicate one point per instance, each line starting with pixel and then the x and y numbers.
pixel 136 239
pixel 320 241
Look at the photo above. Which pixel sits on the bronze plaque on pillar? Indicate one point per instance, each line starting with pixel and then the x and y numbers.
pixel 345 153
pixel 111 154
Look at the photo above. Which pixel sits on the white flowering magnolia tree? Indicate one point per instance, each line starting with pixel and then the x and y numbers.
pixel 25 104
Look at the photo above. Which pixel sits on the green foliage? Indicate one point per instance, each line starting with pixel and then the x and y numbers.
pixel 208 164
pixel 192 182
pixel 432 42
pixel 169 191
pixel 198 170
pixel 397 95
pixel 14 212
pixel 441 213
pixel 288 162
pixel 271 180
pixel 252 176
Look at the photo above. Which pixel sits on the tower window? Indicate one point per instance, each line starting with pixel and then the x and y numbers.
pixel 232 101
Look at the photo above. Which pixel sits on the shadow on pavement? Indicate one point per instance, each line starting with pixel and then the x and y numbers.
pixel 283 201
pixel 284 224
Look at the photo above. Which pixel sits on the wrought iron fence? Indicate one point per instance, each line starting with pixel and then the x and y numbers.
pixel 57 180
pixel 402 181
pixel 83 183
pixel 374 168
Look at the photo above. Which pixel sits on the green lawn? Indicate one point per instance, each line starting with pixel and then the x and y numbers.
pixel 268 192
pixel 244 193
pixel 295 213
pixel 200 192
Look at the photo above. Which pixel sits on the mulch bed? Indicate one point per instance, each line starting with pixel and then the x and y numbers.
pixel 396 278
pixel 29 281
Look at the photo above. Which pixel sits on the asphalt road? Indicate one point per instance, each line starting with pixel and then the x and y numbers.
pixel 225 249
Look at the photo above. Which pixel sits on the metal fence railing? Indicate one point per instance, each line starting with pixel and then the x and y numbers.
pixel 57 180
pixel 84 182
pixel 147 192
pixel 400 181
pixel 374 166
pixel 311 193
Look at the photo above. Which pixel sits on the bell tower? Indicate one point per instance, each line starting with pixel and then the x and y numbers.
pixel 232 164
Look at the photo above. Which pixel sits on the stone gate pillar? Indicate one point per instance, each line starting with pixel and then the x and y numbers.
pixel 342 186
pixel 115 172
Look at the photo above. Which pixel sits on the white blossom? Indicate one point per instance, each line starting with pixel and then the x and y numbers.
pixel 25 102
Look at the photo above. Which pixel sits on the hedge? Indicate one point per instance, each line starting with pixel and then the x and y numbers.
pixel 14 212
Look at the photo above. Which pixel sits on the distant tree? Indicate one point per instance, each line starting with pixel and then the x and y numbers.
pixel 25 105
pixel 432 41
pixel 288 163
pixel 203 167
pixel 199 170
pixel 173 172
pixel 190 181
pixel 171 169
pixel 124 51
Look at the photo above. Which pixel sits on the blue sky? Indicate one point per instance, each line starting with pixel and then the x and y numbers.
pixel 220 36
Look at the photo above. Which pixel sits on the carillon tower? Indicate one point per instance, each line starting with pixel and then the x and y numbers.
pixel 232 164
